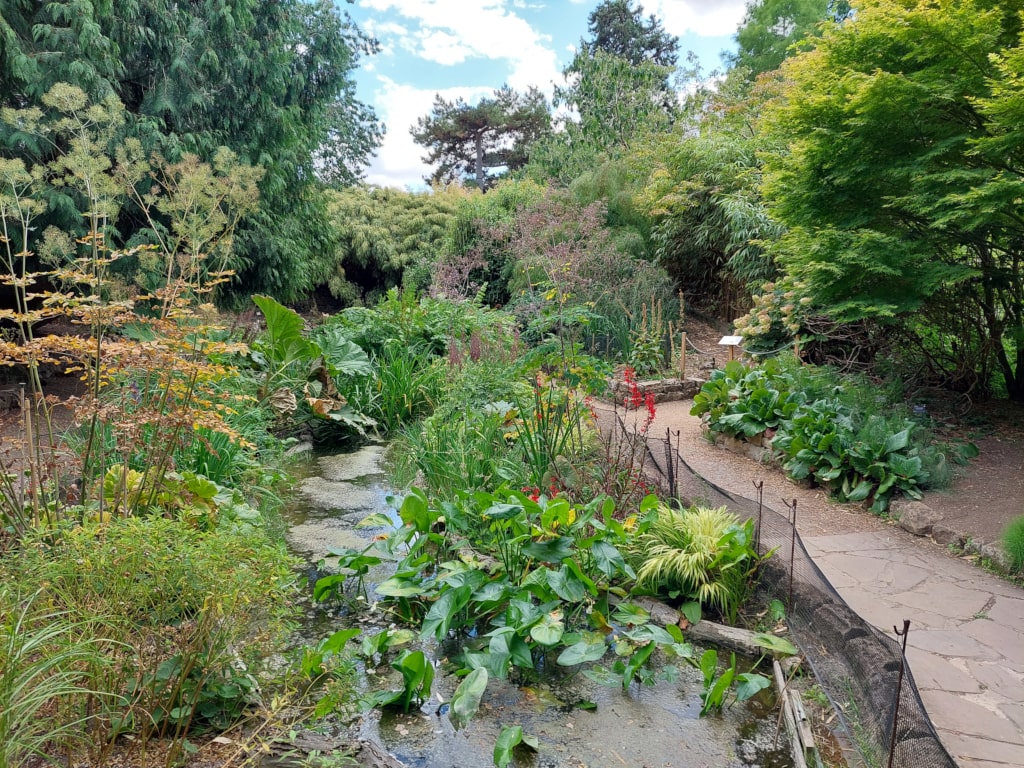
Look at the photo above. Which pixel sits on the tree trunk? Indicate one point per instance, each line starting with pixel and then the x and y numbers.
pixel 481 178
pixel 1013 373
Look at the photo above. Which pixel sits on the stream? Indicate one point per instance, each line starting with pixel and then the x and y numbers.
pixel 655 727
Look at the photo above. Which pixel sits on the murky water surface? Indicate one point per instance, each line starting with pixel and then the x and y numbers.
pixel 653 727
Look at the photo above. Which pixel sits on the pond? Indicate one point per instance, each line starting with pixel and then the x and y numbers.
pixel 654 726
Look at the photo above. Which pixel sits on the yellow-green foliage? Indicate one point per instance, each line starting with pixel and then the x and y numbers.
pixel 183 618
pixel 383 232
pixel 702 553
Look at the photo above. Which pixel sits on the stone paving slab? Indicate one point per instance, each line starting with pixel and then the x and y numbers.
pixel 965 648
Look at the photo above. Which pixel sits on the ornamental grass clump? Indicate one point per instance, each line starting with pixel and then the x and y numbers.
pixel 698 553
pixel 1013 543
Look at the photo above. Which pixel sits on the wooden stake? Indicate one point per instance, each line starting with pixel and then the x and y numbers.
pixel 682 356
pixel 671 343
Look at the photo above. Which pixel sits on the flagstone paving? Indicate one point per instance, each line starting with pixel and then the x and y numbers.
pixel 966 641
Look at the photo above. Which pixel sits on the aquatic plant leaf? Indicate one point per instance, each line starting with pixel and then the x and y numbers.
pixel 591 648
pixel 417 675
pixel 608 559
pixel 399 586
pixel 628 613
pixel 709 665
pixel 336 642
pixel 749 683
pixel 466 699
pixel 602 676
pixel 691 610
pixel 439 618
pixel 327 586
pixel 778 646
pixel 650 633
pixel 550 551
pixel 549 629
pixel 510 737
pixel 376 520
pixel 566 585
pixel 635 663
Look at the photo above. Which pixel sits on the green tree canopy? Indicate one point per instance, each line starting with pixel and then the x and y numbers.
pixel 467 140
pixel 270 79
pixel 614 101
pixel 616 27
pixel 771 28
pixel 898 170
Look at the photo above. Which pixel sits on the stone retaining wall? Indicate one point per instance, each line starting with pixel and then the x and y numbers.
pixel 663 390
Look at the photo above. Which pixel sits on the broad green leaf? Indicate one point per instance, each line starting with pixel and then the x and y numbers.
pixel 415 511
pixel 608 559
pixel 520 652
pixel 503 511
pixel 439 618
pixel 492 592
pixel 602 676
pixel 399 637
pixel 716 695
pixel 778 646
pixel 549 629
pixel 550 551
pixel 591 648
pixel 898 441
pixel 336 642
pixel 566 585
pixel 635 662
pixel 399 586
pixel 650 633
pixel 749 683
pixel 343 357
pixel 861 491
pixel 691 610
pixel 327 586
pixel 376 520
pixel 466 699
pixel 709 665
pixel 417 674
pixel 284 327
pixel 470 577
pixel 628 613
pixel 509 738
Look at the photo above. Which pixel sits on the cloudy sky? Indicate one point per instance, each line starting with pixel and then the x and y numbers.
pixel 467 48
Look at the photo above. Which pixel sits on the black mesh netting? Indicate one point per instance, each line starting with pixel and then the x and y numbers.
pixel 857 666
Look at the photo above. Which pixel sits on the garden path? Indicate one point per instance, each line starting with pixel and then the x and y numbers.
pixel 966 644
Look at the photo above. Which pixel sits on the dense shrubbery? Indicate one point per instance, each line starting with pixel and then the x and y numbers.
pixel 147 524
pixel 838 433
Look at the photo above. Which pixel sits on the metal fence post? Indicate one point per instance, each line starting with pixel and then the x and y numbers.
pixel 899 688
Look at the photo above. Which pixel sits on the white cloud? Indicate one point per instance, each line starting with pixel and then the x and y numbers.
pixel 451 32
pixel 398 162
pixel 443 48
pixel 700 17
